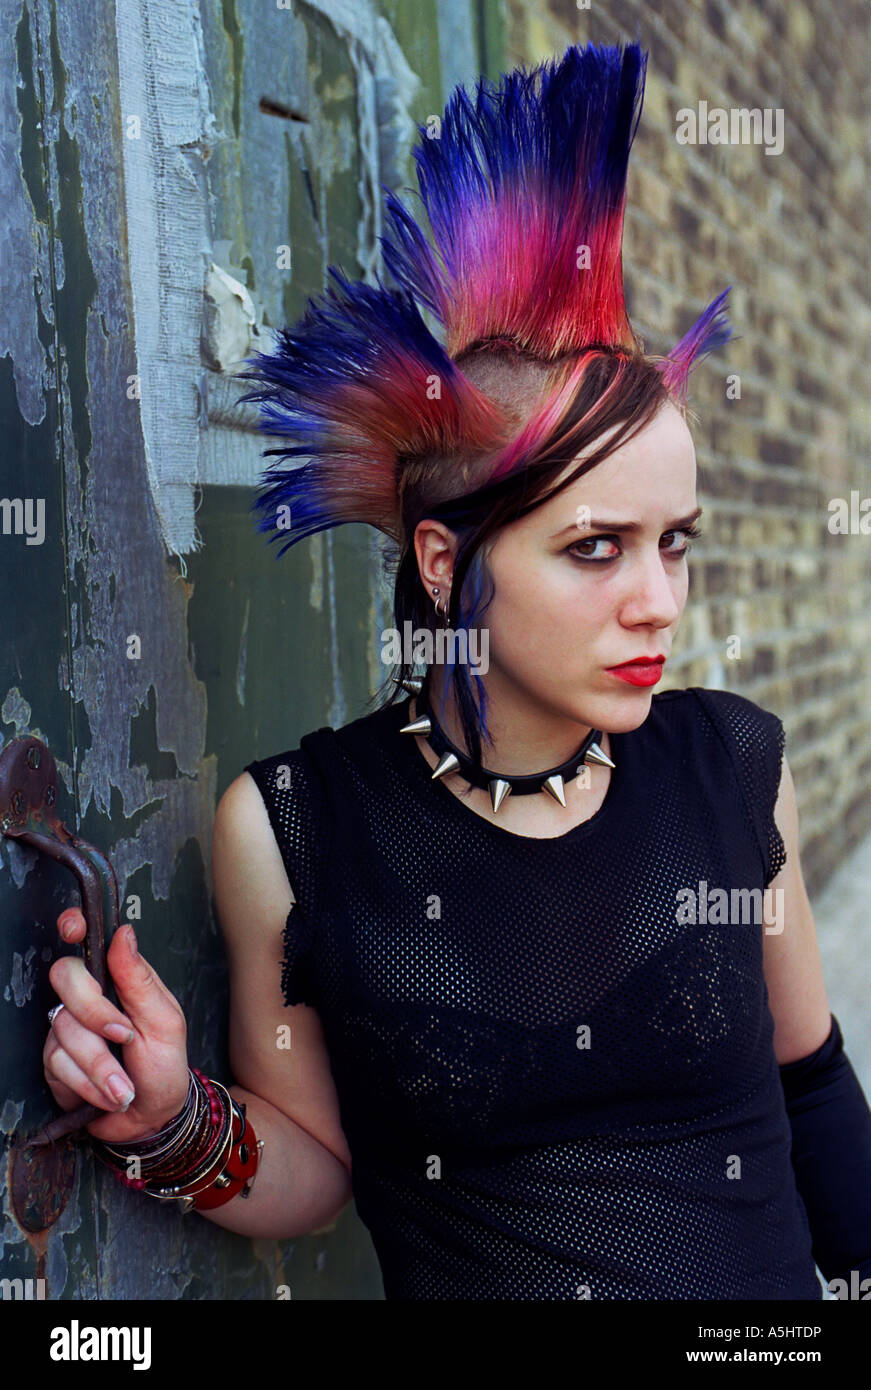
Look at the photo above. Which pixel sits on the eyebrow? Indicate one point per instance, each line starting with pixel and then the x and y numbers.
pixel 629 526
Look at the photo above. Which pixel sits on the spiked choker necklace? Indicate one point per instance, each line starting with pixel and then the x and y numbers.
pixel 453 759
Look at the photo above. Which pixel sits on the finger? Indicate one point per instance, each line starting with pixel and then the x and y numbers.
pixel 66 1098
pixel 77 989
pixel 92 1056
pixel 72 925
pixel 154 1009
pixel 62 1068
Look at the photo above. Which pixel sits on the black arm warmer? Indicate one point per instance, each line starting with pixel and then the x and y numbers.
pixel 831 1155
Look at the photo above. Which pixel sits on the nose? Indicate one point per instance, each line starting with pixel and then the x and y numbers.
pixel 656 590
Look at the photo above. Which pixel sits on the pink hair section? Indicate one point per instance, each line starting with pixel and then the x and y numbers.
pixel 547 418
pixel 710 331
pixel 559 287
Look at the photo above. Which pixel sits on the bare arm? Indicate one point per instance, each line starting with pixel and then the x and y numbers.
pixel 791 957
pixel 303 1181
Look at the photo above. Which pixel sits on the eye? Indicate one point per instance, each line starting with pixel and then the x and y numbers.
pixel 690 533
pixel 586 556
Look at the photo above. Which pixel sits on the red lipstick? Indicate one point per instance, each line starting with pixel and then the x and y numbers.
pixel 641 670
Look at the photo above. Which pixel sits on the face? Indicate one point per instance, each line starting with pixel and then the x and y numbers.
pixel 576 594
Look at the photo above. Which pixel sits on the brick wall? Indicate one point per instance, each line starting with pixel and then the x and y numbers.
pixel 790 233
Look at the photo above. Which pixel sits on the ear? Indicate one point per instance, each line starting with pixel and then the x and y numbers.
pixel 435 546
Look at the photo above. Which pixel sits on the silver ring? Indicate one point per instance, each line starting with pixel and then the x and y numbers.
pixel 53 1013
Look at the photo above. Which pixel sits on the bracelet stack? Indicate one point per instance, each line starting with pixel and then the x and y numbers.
pixel 205 1155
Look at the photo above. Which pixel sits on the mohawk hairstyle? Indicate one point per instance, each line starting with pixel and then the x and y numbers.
pixel 525 178
pixel 520 181
pixel 525 192
pixel 362 385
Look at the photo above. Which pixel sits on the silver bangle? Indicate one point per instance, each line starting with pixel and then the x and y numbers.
pixel 170 1134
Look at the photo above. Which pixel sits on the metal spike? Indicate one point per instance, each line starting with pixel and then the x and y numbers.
pixel 449 763
pixel 413 685
pixel 418 726
pixel 499 789
pixel 594 754
pixel 554 785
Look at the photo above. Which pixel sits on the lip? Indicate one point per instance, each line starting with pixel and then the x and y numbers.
pixel 645 671
pixel 639 661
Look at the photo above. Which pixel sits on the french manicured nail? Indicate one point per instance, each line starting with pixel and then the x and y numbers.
pixel 118 1032
pixel 120 1089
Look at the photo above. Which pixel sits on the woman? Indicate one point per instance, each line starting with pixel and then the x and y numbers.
pixel 556 1013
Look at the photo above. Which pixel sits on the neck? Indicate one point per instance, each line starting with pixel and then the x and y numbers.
pixel 526 737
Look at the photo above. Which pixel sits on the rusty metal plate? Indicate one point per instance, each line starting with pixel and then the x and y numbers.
pixel 41 1179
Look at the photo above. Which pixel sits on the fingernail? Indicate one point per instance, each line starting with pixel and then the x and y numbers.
pixel 131 941
pixel 120 1089
pixel 118 1032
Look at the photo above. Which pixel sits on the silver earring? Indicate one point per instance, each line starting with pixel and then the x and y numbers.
pixel 437 602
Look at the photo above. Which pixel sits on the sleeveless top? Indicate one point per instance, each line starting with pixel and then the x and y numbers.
pixel 556 1080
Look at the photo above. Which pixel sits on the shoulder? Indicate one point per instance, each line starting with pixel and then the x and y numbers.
pixel 722 724
pixel 298 786
pixel 272 766
pixel 250 881
pixel 751 740
pixel 726 703
pixel 284 780
pixel 250 830
pixel 746 727
pixel 269 842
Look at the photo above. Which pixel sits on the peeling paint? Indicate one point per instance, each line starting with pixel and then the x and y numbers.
pixel 21 983
pixel 21 859
pixel 386 88
pixel 72 296
pixel 10 1115
pixel 229 319
pixel 15 710
pixel 378 143
pixel 160 50
pixel 167 136
pixel 23 241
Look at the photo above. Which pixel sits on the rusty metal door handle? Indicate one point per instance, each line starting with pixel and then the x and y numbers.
pixel 43 1170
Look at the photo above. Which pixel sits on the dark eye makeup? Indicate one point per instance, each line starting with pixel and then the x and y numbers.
pixel 690 532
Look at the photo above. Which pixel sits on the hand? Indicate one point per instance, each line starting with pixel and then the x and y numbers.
pixel 78 1065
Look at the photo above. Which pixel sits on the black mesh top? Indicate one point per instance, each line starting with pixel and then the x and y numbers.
pixel 552 1084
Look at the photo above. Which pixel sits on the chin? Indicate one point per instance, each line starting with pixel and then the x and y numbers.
pixel 620 712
